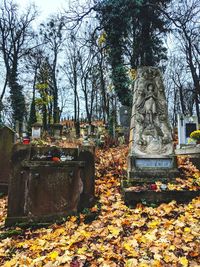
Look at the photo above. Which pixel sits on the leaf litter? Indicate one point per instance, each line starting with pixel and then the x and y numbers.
pixel 163 236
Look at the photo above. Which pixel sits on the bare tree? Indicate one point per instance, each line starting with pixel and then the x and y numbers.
pixel 52 34
pixel 15 43
pixel 185 16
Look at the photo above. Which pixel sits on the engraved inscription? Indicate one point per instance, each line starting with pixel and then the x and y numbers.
pixel 153 163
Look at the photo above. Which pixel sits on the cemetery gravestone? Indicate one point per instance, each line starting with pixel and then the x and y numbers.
pixel 125 116
pixel 187 147
pixel 49 183
pixel 151 154
pixel 186 125
pixel 7 137
pixel 57 130
pixel 36 130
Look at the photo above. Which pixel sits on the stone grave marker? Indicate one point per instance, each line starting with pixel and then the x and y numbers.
pixel 36 131
pixel 56 130
pixel 125 116
pixel 49 182
pixel 151 153
pixel 7 137
pixel 186 125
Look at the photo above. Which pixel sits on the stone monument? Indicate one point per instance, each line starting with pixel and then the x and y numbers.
pixel 36 130
pixel 7 139
pixel 151 152
pixel 186 125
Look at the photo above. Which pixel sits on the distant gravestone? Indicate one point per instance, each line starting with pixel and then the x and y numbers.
pixel 7 137
pixel 151 154
pixel 125 116
pixel 36 131
pixel 57 130
pixel 186 125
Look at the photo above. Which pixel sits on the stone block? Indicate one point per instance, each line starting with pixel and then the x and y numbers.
pixel 7 136
pixel 87 154
pixel 152 197
pixel 43 190
pixel 150 169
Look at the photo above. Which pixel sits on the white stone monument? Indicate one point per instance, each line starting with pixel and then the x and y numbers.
pixel 186 125
pixel 36 131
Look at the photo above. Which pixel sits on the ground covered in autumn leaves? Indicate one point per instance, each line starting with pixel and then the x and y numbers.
pixel 110 234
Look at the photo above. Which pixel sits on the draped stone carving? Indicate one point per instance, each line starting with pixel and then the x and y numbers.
pixel 150 129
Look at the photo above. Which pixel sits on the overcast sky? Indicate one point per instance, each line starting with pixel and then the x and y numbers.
pixel 46 7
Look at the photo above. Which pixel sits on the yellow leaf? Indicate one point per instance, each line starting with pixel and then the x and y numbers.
pixel 156 263
pixel 53 255
pixel 73 219
pixel 153 224
pixel 131 263
pixel 59 231
pixel 172 247
pixel 184 261
pixel 129 246
pixel 187 229
pixel 11 263
pixel 114 230
pixel 81 251
pixel 167 258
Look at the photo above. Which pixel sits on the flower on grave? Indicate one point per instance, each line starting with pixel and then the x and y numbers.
pixel 195 135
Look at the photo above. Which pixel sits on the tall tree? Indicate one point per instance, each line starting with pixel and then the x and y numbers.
pixel 133 28
pixel 15 39
pixel 44 86
pixel 52 33
pixel 185 16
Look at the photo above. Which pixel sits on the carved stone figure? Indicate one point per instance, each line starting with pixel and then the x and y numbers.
pixel 150 130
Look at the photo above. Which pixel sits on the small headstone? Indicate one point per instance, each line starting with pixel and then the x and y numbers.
pixel 186 125
pixel 36 131
pixel 56 130
pixel 125 116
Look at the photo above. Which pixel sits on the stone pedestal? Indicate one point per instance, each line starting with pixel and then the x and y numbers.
pixel 148 169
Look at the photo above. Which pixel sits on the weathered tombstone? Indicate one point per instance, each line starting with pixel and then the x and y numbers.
pixel 186 125
pixel 73 132
pixel 56 130
pixel 125 116
pixel 151 154
pixel 36 130
pixel 7 137
pixel 49 183
pixel 187 147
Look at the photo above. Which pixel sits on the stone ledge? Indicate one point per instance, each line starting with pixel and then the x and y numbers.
pixel 188 149
pixel 132 198
pixel 48 219
pixel 148 176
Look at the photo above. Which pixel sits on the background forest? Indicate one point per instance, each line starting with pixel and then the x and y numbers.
pixel 82 61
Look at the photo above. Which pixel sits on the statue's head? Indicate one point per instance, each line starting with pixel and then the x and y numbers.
pixel 150 88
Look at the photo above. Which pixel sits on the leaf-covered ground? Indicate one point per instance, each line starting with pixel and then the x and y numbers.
pixel 110 234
